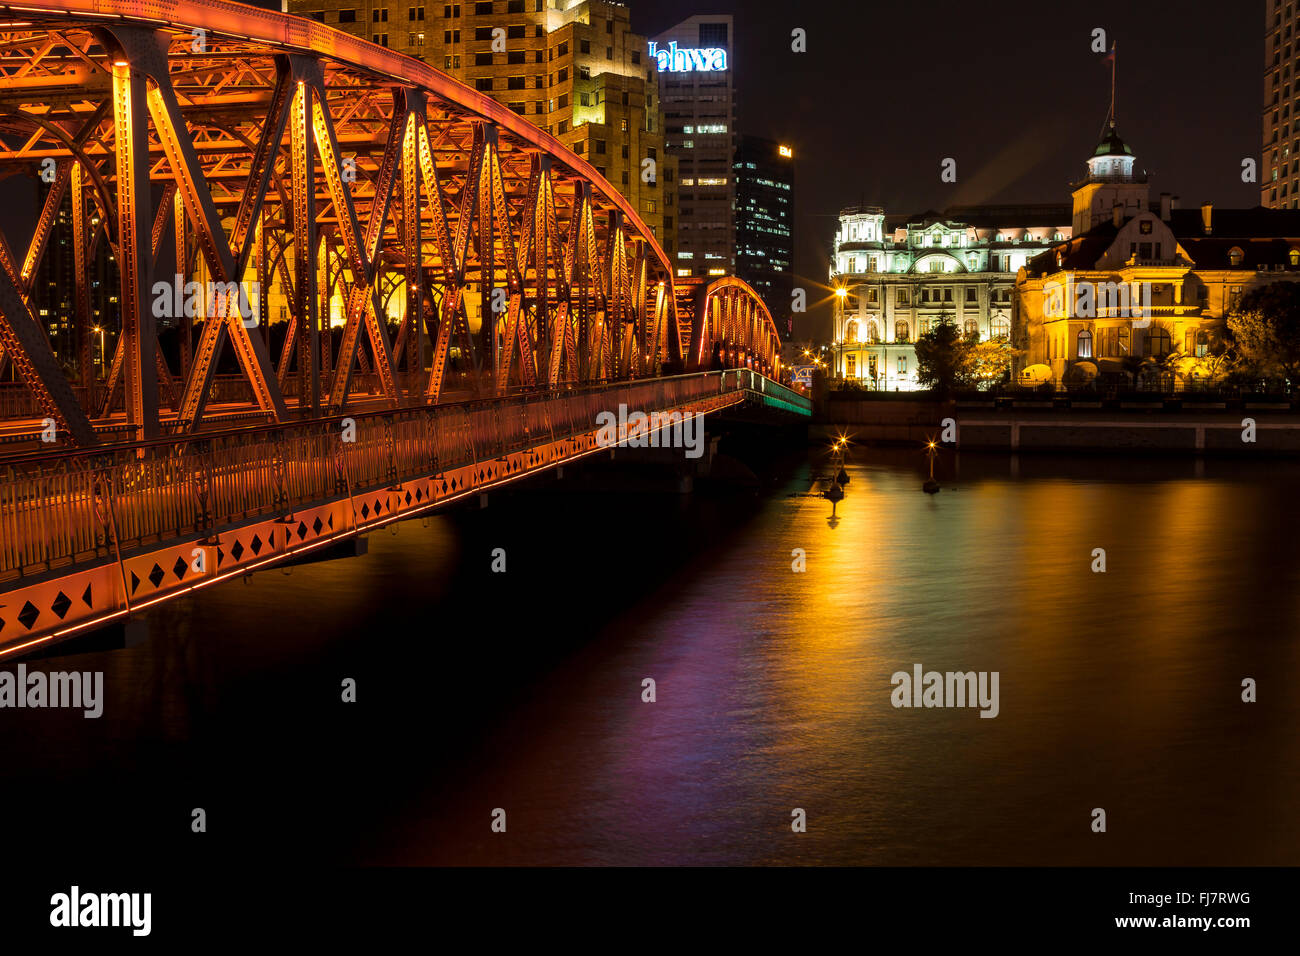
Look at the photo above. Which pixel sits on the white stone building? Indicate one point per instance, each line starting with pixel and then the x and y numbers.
pixel 894 280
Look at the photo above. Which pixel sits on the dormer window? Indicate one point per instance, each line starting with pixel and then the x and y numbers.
pixel 1295 257
pixel 1235 255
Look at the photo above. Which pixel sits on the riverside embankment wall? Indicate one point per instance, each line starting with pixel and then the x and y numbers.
pixel 1220 428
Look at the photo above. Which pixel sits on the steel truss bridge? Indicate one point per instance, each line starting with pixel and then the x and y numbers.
pixel 216 147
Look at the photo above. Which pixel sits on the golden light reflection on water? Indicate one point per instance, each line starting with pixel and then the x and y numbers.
pixel 1117 687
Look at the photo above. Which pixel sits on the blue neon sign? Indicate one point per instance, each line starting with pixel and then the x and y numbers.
pixel 673 60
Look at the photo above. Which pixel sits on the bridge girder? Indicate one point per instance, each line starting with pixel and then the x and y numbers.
pixel 328 174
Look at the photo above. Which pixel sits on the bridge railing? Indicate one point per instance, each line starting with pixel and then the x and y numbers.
pixel 775 395
pixel 57 510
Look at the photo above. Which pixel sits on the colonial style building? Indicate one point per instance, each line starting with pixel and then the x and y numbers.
pixel 1142 288
pixel 894 280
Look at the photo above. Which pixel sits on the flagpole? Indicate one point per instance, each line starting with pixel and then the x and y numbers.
pixel 1114 56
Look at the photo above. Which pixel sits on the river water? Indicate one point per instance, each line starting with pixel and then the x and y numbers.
pixel 523 690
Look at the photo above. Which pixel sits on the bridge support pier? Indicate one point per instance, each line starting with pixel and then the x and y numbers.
pixel 347 548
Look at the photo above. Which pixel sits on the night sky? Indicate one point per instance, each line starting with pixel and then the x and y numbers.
pixel 1011 91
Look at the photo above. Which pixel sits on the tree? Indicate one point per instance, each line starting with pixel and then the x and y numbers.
pixel 992 362
pixel 944 357
pixel 1266 327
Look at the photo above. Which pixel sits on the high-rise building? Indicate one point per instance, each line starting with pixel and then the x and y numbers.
pixel 695 65
pixel 55 286
pixel 764 175
pixel 572 67
pixel 1280 179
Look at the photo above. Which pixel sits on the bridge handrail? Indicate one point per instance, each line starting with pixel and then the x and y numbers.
pixel 132 449
pixel 55 510
pixel 778 395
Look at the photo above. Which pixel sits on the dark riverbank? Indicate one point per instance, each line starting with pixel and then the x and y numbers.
pixel 1242 429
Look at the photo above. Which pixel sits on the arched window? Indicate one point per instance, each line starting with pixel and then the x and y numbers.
pixel 1125 336
pixel 1235 255
pixel 972 328
pixel 999 328
pixel 1158 343
pixel 851 331
pixel 1085 344
pixel 873 332
pixel 1202 344
pixel 901 332
pixel 1295 257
